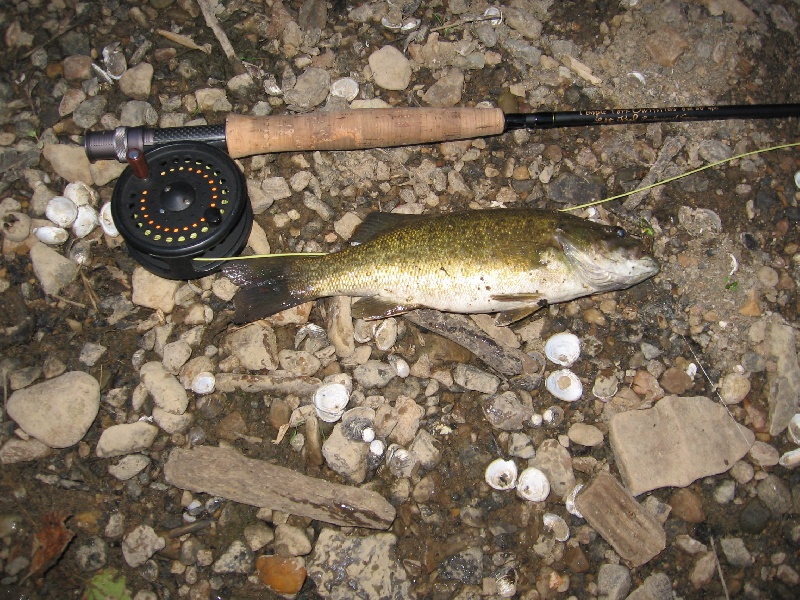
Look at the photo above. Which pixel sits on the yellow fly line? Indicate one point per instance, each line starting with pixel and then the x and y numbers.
pixel 670 179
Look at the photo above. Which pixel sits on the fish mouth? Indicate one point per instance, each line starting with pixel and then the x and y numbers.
pixel 609 265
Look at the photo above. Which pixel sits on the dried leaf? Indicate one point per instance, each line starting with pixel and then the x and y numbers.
pixel 184 40
pixel 49 543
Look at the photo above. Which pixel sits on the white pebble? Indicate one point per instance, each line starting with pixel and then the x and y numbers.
pixel 52 236
pixel 61 211
pixel 203 383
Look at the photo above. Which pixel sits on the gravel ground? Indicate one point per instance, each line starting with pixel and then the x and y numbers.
pixel 107 492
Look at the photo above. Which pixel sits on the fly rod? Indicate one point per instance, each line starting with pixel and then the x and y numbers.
pixel 242 135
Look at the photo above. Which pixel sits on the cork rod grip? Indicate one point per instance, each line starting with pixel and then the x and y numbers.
pixel 358 129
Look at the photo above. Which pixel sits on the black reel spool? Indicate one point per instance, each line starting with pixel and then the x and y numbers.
pixel 179 202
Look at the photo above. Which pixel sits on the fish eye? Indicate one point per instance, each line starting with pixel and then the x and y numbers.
pixel 619 232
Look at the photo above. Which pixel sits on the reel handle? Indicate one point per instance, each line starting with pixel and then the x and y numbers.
pixel 358 129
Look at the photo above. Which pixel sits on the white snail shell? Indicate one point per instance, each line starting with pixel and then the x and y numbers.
pixel 533 485
pixel 330 400
pixel 564 385
pixel 563 348
pixel 501 474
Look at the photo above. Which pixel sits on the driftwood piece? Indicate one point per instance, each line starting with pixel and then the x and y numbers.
pixel 632 531
pixel 672 145
pixel 226 473
pixel 526 371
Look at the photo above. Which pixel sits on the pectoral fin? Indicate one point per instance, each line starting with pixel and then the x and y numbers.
pixel 533 302
pixel 375 307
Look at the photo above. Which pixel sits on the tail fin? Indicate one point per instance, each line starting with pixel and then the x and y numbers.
pixel 268 286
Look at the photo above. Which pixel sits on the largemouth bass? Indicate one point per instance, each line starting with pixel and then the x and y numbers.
pixel 508 261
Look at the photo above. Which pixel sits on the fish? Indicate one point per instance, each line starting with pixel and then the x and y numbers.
pixel 506 261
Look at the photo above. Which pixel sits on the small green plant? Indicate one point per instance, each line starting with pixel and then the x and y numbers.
pixel 646 228
pixel 731 284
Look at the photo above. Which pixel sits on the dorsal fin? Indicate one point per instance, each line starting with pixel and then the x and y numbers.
pixel 378 223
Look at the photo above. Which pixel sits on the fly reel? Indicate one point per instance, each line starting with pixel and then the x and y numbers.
pixel 179 202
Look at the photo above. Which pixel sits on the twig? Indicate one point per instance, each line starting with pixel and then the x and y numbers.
pixel 68 301
pixel 719 569
pixel 90 291
pixel 222 38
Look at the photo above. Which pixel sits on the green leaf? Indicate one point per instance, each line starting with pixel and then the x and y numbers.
pixel 106 585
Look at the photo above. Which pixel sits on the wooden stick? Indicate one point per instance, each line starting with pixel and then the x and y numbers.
pixel 226 473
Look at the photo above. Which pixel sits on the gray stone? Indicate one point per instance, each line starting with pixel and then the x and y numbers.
pixel 69 162
pixel 655 587
pixel 291 541
pixel 506 412
pixel 472 378
pixel 714 151
pixel 212 100
pixel 274 188
pixel 346 566
pixel 521 51
pixel 137 113
pixel 347 457
pixel 258 535
pixel 446 92
pixel 736 552
pixel 91 554
pixel 91 353
pixel 465 566
pixel 554 460
pixel 784 382
pixel 776 494
pixel 310 90
pixel 584 434
pixel 135 82
pixel 409 414
pixel 129 466
pixel 58 412
pixel 613 581
pixel 171 422
pixel 524 22
pixel 16 451
pixel 236 559
pixel 676 442
pixel 424 450
pixel 89 112
pixel 53 270
pixel 254 346
pixel 374 374
pixel 140 544
pixel 299 362
pixel 571 188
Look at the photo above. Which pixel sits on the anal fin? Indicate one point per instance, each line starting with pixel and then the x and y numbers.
pixel 532 303
pixel 375 307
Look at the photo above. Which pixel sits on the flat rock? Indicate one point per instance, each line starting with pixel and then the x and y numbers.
pixel 555 461
pixel 152 291
pixel 57 412
pixel 784 382
pixel 353 566
pixel 140 544
pixel 135 82
pixel 446 92
pixel 129 466
pixel 347 457
pixel 676 442
pixel 631 530
pixel 126 439
pixel 255 346
pixel 390 69
pixel 53 270
pixel 16 451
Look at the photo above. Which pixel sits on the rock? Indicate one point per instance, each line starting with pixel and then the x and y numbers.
pixel 91 353
pixel 554 460
pixel 704 570
pixel 129 466
pixel 212 100
pixel 291 541
pixel 569 187
pixel 175 355
pixel 524 22
pixel 754 516
pixel 52 269
pixel 585 435
pixel 764 454
pixel 152 291
pixel 274 188
pixel 354 566
pixel 472 378
pixel 734 388
pixel 16 451
pixel 776 495
pixel 374 374
pixel 299 362
pixel 126 439
pixel 135 82
pixel 675 442
pixel 424 450
pixel 136 113
pixel 465 566
pixel 655 587
pixel 170 422
pixel 714 151
pixel 687 506
pixel 339 325
pixel 236 559
pixel 310 90
pixel 736 552
pixel 283 575
pixel 91 554
pixel 665 46
pixel 409 414
pixel 347 457
pixel 77 67
pixel 390 69
pixel 89 113
pixel 254 346
pixel 140 544
pixel 446 92
pixel 345 226
pixel 59 411
pixel 106 171
pixel 167 392
pixel 258 535
pixel 613 581
pixel 506 412
pixel 676 381
pixel 784 382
